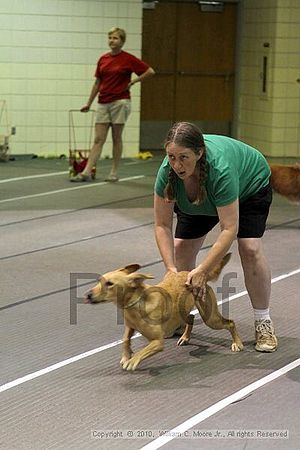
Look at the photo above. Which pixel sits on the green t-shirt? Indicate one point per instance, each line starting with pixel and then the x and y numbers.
pixel 235 170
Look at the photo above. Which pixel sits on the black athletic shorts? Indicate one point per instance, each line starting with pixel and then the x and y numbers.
pixel 253 214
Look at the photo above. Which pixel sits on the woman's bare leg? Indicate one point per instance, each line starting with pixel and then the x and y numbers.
pixel 256 272
pixel 101 130
pixel 186 251
pixel 117 130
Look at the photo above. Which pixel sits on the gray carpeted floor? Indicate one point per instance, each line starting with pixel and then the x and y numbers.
pixel 54 395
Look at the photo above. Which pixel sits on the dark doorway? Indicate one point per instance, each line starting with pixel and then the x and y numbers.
pixel 193 53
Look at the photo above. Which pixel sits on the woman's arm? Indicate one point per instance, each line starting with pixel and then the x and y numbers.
pixel 148 73
pixel 229 219
pixel 93 94
pixel 163 216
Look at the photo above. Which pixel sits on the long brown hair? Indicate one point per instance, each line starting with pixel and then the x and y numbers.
pixel 189 136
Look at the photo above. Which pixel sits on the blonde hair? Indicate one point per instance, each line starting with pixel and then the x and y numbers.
pixel 189 136
pixel 121 33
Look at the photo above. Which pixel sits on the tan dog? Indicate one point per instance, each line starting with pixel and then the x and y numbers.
pixel 159 311
pixel 285 180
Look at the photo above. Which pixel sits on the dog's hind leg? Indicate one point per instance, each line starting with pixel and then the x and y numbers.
pixel 184 339
pixel 237 344
pixel 126 348
pixel 153 347
pixel 211 316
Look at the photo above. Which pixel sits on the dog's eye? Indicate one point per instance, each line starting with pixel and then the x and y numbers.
pixel 109 283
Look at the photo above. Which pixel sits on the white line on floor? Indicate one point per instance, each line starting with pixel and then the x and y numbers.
pixel 54 174
pixel 216 407
pixel 241 294
pixel 32 376
pixel 58 191
pixel 66 362
pixel 29 177
pixel 56 366
pixel 132 163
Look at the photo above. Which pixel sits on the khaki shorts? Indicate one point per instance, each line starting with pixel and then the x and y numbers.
pixel 114 112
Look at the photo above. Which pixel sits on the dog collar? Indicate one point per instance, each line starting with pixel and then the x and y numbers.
pixel 129 305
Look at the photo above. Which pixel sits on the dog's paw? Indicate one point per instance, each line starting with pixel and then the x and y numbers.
pixel 183 340
pixel 130 364
pixel 236 346
pixel 124 359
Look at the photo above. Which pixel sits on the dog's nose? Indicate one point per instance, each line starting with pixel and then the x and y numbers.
pixel 88 297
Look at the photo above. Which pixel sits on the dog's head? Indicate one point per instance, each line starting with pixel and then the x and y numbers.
pixel 113 286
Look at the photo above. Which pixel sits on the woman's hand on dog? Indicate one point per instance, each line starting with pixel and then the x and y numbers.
pixel 196 281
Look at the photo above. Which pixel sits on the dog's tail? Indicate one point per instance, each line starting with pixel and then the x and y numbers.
pixel 285 180
pixel 215 272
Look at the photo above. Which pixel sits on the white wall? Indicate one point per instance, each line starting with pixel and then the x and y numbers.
pixel 48 54
pixel 270 121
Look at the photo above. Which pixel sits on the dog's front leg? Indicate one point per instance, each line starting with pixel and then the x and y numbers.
pixel 153 347
pixel 126 349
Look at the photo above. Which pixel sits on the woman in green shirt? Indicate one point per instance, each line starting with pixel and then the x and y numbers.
pixel 208 179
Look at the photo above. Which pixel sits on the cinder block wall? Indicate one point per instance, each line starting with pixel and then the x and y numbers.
pixel 48 54
pixel 270 120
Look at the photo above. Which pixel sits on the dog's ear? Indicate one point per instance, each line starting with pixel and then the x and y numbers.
pixel 136 279
pixel 130 268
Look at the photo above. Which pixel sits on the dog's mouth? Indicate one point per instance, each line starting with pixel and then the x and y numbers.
pixel 89 299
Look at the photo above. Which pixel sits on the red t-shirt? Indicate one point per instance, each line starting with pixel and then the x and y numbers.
pixel 114 72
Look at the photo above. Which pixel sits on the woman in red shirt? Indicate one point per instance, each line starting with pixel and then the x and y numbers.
pixel 112 85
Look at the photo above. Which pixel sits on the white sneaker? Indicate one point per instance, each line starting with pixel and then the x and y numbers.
pixel 266 341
